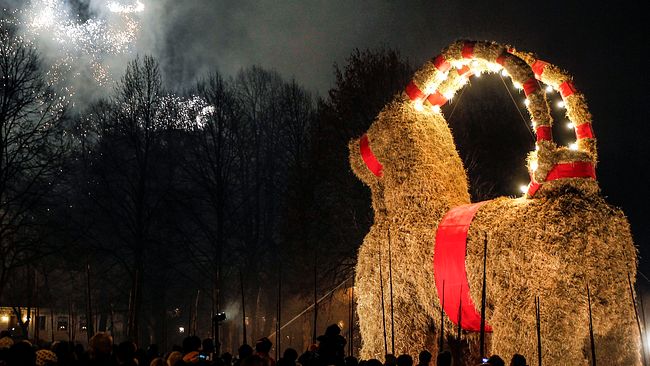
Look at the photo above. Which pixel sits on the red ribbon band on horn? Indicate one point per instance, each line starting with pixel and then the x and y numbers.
pixel 584 131
pixel 449 267
pixel 468 49
pixel 501 59
pixel 368 157
pixel 437 99
pixel 414 92
pixel 530 86
pixel 543 133
pixel 538 68
pixel 577 169
pixel 441 63
pixel 463 70
pixel 567 88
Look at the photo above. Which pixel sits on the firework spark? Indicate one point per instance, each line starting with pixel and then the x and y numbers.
pixel 80 48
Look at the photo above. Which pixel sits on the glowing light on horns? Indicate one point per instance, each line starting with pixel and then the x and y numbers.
pixel 561 104
pixel 418 105
pixel 523 188
pixel 573 146
pixel 549 89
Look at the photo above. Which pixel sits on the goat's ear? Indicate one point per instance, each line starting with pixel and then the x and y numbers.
pixel 359 166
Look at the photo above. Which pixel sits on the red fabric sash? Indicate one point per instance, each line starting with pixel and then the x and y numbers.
pixel 543 133
pixel 441 64
pixel 449 267
pixel 577 169
pixel 368 157
pixel 584 131
pixel 414 92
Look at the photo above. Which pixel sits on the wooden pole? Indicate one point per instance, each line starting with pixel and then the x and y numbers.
pixel 315 330
pixel 591 329
pixel 636 315
pixel 89 310
pixel 243 305
pixel 441 342
pixel 278 339
pixel 538 326
pixel 390 285
pixel 383 309
pixel 483 296
pixel 352 323
pixel 645 327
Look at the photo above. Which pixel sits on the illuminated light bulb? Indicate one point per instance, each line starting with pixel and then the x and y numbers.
pixel 504 72
pixel 436 109
pixel 463 81
pixel 527 102
pixel 441 76
pixel 549 88
pixel 430 89
pixel 477 74
pixel 4 318
pixel 418 105
pixel 523 188
pixel 517 85
pixel 475 63
pixel 448 95
pixel 561 104
pixel 536 147
pixel 573 146
pixel 533 124
pixel 570 125
pixel 534 165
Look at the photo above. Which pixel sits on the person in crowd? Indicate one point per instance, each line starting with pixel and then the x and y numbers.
pixel 351 361
pixel 243 352
pixel 157 361
pixel 262 348
pixel 424 358
pixel 226 357
pixel 126 354
pixel 21 354
pixel 443 359
pixel 45 357
pixel 404 360
pixel 391 360
pixel 331 346
pixel 100 348
pixel 310 357
pixel 373 362
pixel 518 360
pixel 174 358
pixel 495 360
pixel 289 357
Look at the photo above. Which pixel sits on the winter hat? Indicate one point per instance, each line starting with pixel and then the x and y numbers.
pixel 45 356
pixel 6 342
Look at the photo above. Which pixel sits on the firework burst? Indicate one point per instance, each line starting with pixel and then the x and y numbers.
pixel 76 48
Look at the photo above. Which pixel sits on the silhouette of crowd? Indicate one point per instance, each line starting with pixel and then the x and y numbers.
pixel 102 351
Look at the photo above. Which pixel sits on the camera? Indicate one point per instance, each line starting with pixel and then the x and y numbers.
pixel 203 356
pixel 221 316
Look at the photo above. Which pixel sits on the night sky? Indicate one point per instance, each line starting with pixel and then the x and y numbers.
pixel 604 46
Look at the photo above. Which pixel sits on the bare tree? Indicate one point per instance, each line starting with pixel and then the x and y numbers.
pixel 31 152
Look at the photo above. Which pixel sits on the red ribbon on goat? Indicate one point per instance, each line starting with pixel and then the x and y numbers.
pixel 566 89
pixel 414 92
pixel 577 169
pixel 449 266
pixel 543 133
pixel 441 63
pixel 538 68
pixel 584 131
pixel 368 157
